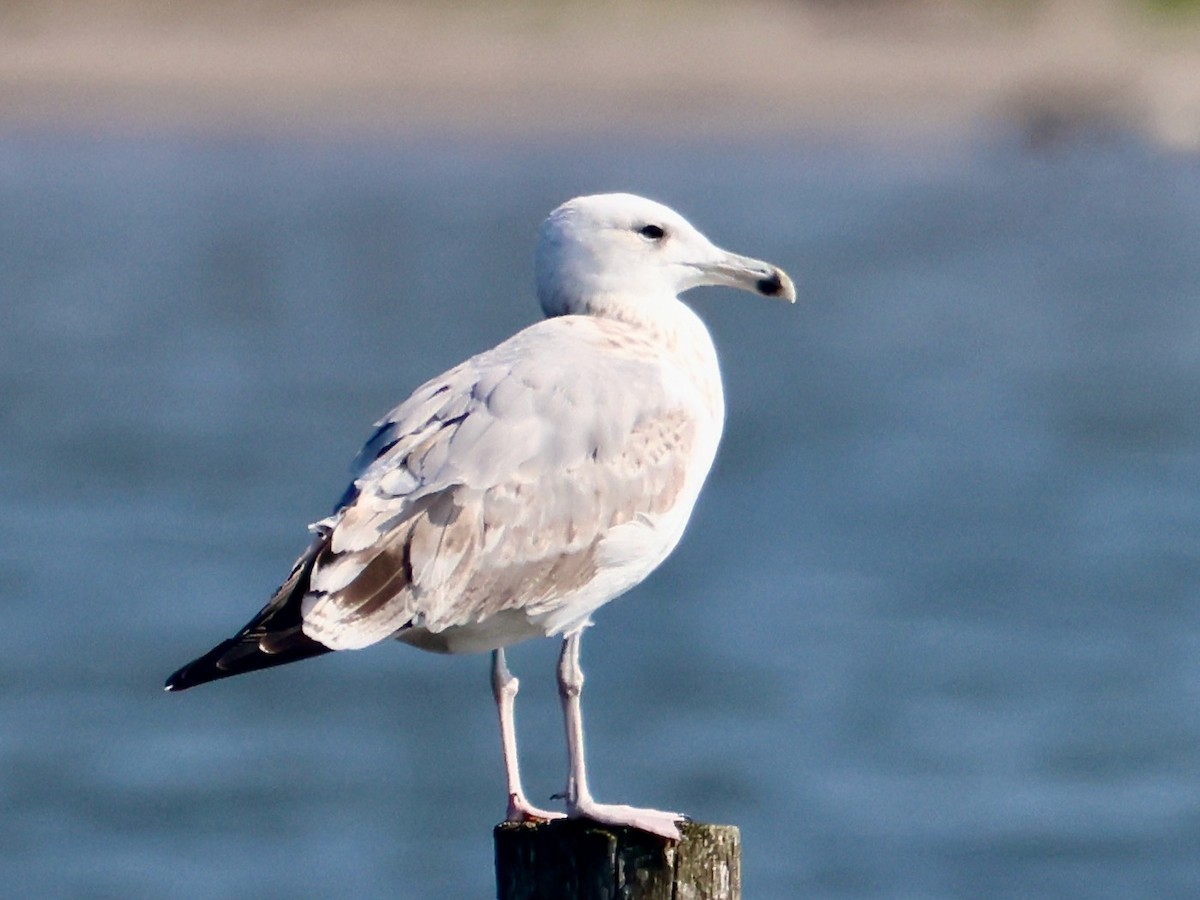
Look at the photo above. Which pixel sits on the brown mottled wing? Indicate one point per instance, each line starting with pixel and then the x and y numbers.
pixel 496 485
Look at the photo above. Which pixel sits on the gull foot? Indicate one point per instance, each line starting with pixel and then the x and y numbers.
pixel 655 821
pixel 521 810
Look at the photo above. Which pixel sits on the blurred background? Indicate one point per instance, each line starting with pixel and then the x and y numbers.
pixel 933 631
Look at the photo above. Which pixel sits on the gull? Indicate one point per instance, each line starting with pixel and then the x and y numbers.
pixel 517 493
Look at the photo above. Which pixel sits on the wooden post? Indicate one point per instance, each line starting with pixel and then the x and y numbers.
pixel 582 860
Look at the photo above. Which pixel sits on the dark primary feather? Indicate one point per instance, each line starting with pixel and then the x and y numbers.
pixel 271 638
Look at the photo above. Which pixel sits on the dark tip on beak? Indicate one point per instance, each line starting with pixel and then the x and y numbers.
pixel 770 287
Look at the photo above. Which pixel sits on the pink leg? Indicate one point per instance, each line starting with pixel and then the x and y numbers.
pixel 504 689
pixel 579 798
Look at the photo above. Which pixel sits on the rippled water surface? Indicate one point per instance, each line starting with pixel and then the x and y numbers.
pixel 933 631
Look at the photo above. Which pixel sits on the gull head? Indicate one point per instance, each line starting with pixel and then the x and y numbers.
pixel 615 249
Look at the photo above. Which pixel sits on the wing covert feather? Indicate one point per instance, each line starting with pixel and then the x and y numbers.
pixel 494 487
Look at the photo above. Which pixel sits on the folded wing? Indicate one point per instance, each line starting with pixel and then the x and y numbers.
pixel 511 482
pixel 496 487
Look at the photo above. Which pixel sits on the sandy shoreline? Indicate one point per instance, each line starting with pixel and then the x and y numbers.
pixel 719 68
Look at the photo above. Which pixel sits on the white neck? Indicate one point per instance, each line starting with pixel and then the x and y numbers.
pixel 667 322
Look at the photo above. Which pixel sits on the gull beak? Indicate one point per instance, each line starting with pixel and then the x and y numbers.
pixel 747 274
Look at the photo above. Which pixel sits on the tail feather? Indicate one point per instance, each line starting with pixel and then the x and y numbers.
pixel 271 638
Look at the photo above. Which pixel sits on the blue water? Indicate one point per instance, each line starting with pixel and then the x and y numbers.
pixel 933 631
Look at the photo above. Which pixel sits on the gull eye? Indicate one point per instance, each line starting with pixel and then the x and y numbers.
pixel 652 232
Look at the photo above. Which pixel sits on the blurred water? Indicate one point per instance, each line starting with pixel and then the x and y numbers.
pixel 932 632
